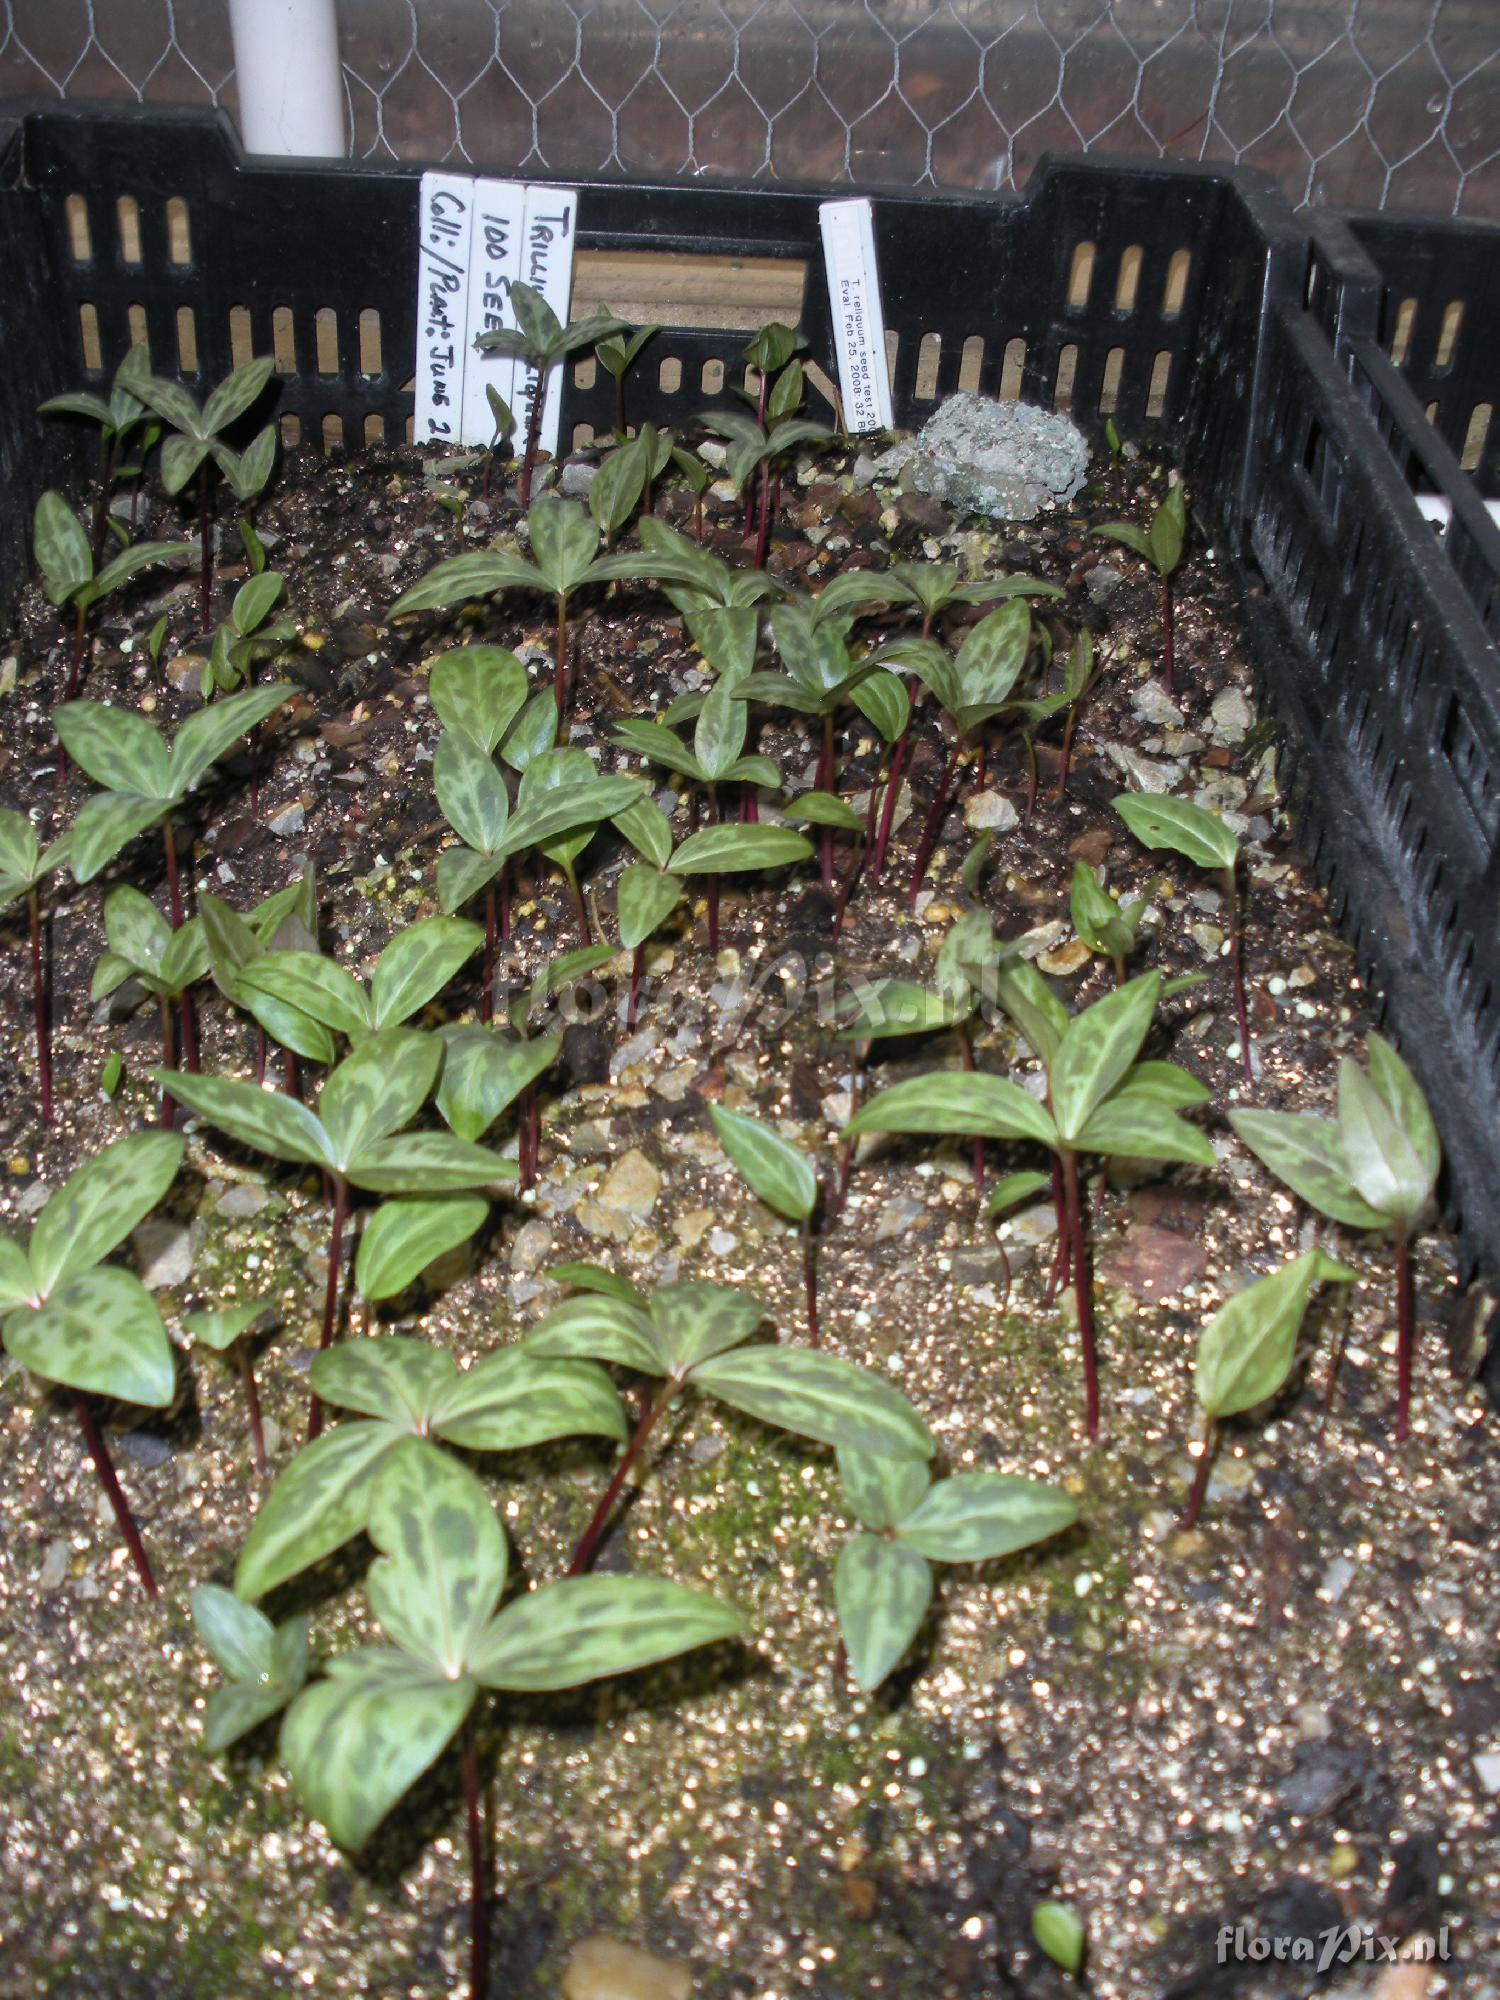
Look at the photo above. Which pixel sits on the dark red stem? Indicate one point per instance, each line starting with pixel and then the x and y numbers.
pixel 533 438
pixel 189 1033
pixel 1406 1334
pixel 810 1280
pixel 40 1010
pixel 252 1407
pixel 1168 640
pixel 331 1290
pixel 168 1106
pixel 291 1076
pixel 593 1534
pixel 479 1927
pixel 93 1437
pixel 824 783
pixel 174 885
pixel 763 536
pixel 585 930
pixel 933 824
pixel 1206 1453
pixel 1083 1291
pixel 487 996
pixel 1237 967
pixel 206 538
pixel 637 966
pixel 888 805
pixel 966 1051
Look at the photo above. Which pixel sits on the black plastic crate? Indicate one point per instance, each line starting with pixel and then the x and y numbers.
pixel 1189 304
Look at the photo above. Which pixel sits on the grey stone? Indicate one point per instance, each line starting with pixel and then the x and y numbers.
pixel 1102 581
pixel 164 1251
pixel 1232 715
pixel 577 476
pixel 990 812
pixel 244 1199
pixel 290 819
pixel 1004 460
pixel 54 1569
pixel 145 1448
pixel 898 1216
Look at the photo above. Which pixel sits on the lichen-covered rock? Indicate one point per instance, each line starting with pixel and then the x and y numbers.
pixel 1006 460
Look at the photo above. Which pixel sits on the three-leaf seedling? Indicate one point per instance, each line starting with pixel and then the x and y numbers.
pixel 1161 546
pixel 1373 1167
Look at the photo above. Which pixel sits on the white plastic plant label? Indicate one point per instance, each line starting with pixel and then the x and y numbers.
pixel 858 320
pixel 443 236
pixel 495 259
pixel 547 266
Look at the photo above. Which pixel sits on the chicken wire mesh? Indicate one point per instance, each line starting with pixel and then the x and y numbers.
pixel 1356 103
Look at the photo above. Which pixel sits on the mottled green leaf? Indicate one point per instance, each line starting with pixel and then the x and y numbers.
pixel 1177 826
pixel 61 547
pixel 734 850
pixel 418 964
pixel 596 1278
pixel 1383 1164
pixel 1308 1155
pixel 1034 1007
pixel 427 1163
pixel 1402 1096
pixel 220 1327
pixel 237 1636
pixel 96 1208
pixel 1139 1127
pixel 315 986
pixel 264 1119
pixel 442 1555
pixel 233 396
pixel 825 809
pixel 645 898
pixel 773 1168
pixel 101 1333
pixel 984 1106
pixel 389 1376
pixel 517 1398
pixel 976 1516
pixel 881 1490
pixel 588 1626
pixel 599 1329
pixel 819 1396
pixel 989 661
pixel 233 1711
pixel 206 735
pixel 357 1740
pixel 1014 1189
pixel 484 1072
pixel 470 792
pixel 695 1320
pixel 479 574
pixel 882 1591
pixel 137 931
pixel 1127 535
pixel 882 699
pixel 1098 1049
pixel 1246 1351
pixel 403 1237
pixel 315 1506
pixel 377 1090
pixel 118 748
pixel 478 691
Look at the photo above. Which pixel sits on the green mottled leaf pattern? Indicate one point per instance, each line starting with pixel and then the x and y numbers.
pixel 388 1376
pixel 515 1398
pixel 819 1396
pixel 101 1333
pixel 772 1167
pixel 318 1502
pixel 233 1711
pixel 1246 1351
pixel 418 964
pixel 357 1740
pixel 976 1516
pixel 96 1209
pixel 882 1491
pixel 265 1119
pixel 403 1237
pixel 588 1626
pixel 443 1556
pixel 484 1072
pixel 1176 826
pixel 377 1090
pixel 695 1320
pixel 987 1106
pixel 1099 1047
pixel 478 691
pixel 882 1591
pixel 1307 1153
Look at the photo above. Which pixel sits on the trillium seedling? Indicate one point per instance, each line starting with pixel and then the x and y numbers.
pixel 758 445
pixel 647 892
pixel 684 1335
pixel 1374 1167
pixel 564 542
pixel 264 1665
pixel 625 479
pixel 1177 826
pixel 1161 546
pixel 617 354
pixel 412 970
pixel 24 866
pixel 199 443
pixel 144 783
pixel 116 419
pixel 1106 925
pixel 90 1327
pixel 1246 1351
pixel 1061 1936
pixel 358 1136
pixel 72 576
pixel 1101 1099
pixel 399 1388
pixel 143 946
pixel 356 1740
pixel 883 1581
pixel 285 921
pixel 785 1180
pixel 540 339
pixel 224 1330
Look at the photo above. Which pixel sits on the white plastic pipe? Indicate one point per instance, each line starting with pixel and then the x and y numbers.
pixel 291 85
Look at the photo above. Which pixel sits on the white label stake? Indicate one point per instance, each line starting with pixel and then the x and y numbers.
pixel 442 294
pixel 499 217
pixel 547 266
pixel 858 321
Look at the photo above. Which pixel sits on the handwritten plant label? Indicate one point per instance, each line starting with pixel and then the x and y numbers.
pixel 858 320
pixel 547 266
pixel 443 236
pixel 499 220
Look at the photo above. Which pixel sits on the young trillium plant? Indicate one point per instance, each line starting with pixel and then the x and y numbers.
pixel 785 1180
pixel 1176 826
pixel 1373 1167
pixel 144 783
pixel 617 354
pixel 647 892
pixel 24 866
pixel 285 921
pixel 1246 1351
pixel 357 1739
pixel 72 575
pixel 399 1388
pixel 226 1330
pixel 1106 925
pixel 1161 546
pixel 116 420
pixel 199 443
pixel 143 946
pixel 908 1521
pixel 1101 1099
pixel 412 970
pixel 264 1665
pixel 88 1326
pixel 358 1137
pixel 540 339
pixel 693 1335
